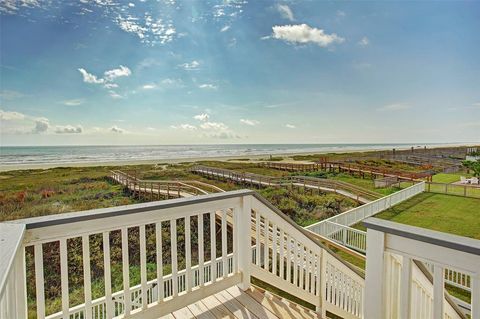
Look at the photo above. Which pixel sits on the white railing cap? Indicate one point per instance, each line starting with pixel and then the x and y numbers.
pixel 65 218
pixel 460 243
pixel 11 237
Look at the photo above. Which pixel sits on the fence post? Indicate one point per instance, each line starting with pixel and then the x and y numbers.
pixel 244 249
pixel 475 284
pixel 374 276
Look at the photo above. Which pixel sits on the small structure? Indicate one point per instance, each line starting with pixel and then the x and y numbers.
pixel 385 181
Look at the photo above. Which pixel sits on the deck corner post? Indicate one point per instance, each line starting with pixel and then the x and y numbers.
pixel 374 276
pixel 244 249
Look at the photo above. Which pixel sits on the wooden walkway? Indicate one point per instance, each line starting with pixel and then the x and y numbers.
pixel 233 303
pixel 157 189
pixel 351 191
pixel 350 168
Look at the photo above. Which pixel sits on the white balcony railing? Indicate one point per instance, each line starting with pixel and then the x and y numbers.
pixel 276 251
pixel 232 236
pixel 397 283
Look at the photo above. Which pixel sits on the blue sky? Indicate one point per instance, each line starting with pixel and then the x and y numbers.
pixel 190 72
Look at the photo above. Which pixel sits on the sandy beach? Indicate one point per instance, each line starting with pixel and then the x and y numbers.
pixel 287 157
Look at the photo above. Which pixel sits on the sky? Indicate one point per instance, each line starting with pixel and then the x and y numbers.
pixel 235 71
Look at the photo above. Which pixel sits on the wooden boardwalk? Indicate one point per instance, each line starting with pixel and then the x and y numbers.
pixel 315 184
pixel 156 189
pixel 233 303
pixel 349 168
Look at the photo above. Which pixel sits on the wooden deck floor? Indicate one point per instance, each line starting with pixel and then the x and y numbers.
pixel 234 303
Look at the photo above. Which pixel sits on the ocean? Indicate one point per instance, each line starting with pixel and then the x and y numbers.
pixel 38 155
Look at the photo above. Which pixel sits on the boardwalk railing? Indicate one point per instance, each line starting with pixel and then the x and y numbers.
pixel 355 215
pixel 291 167
pixel 157 189
pixel 395 257
pixel 210 227
pixel 358 193
pixel 363 170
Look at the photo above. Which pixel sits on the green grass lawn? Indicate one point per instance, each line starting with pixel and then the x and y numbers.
pixel 365 183
pixel 446 178
pixel 445 213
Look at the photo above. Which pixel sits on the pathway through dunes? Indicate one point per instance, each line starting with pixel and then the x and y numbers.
pixel 348 190
pixel 163 189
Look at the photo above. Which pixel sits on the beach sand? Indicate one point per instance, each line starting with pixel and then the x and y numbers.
pixel 251 157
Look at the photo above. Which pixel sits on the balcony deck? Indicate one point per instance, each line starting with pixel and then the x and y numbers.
pixel 255 303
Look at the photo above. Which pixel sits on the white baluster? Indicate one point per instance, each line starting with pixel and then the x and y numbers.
pixel 107 275
pixel 224 243
pixel 201 253
pixel 188 256
pixel 173 241
pixel 158 240
pixel 143 266
pixel 213 248
pixel 39 281
pixel 126 272
pixel 87 278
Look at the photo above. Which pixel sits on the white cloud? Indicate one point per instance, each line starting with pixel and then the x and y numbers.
pixel 110 85
pixel 303 34
pixel 216 126
pixel 131 5
pixel 74 102
pixel 115 95
pixel 41 125
pixel 364 42
pixel 148 29
pixel 395 107
pixel 11 116
pixel 194 65
pixel 12 6
pixel 290 126
pixel 285 11
pixel 223 135
pixel 117 129
pixel 172 83
pixel 208 86
pixel 225 28
pixel 90 78
pixel 249 122
pixel 108 79
pixel 68 129
pixel 341 13
pixel 149 86
pixel 202 117
pixel 111 75
pixel 186 127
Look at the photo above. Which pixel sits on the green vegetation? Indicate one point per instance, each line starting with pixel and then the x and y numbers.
pixel 446 178
pixel 304 207
pixel 474 166
pixel 31 193
pixel 445 213
pixel 357 181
